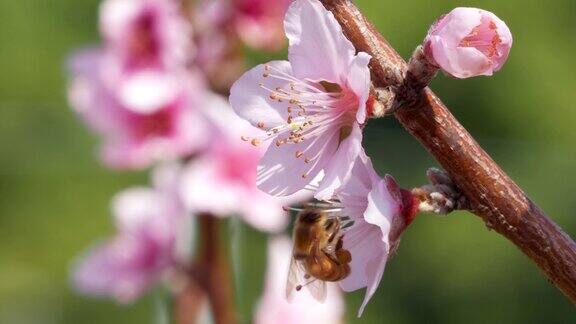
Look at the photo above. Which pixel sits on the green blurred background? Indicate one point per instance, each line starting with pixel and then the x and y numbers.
pixel 54 194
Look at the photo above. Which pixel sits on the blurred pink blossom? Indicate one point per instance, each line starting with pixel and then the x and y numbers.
pixel 273 307
pixel 222 181
pixel 312 108
pixel 146 34
pixel 258 22
pixel 152 116
pixel 468 42
pixel 142 251
pixel 218 50
pixel 376 206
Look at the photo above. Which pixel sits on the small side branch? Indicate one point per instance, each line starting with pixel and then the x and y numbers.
pixel 490 192
pixel 440 196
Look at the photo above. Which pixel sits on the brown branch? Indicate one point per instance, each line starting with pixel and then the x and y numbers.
pixel 209 276
pixel 217 272
pixel 492 195
pixel 188 303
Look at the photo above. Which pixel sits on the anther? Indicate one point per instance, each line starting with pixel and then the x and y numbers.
pixel 299 154
pixel 260 124
pixel 245 138
pixel 255 142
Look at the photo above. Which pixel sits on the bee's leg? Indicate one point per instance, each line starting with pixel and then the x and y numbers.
pixel 330 223
pixel 344 256
pixel 339 244
pixel 332 256
pixel 335 232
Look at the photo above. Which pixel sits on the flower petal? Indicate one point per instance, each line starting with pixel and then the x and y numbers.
pixel 364 241
pixel 203 190
pixel 354 193
pixel 359 81
pixel 148 91
pixel 340 166
pixel 318 49
pixel 264 212
pixel 374 272
pixel 280 172
pixel 382 208
pixel 458 24
pixel 461 62
pixel 106 270
pixel 134 207
pixel 251 102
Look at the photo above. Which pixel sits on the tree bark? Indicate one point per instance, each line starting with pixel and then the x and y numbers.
pixel 491 193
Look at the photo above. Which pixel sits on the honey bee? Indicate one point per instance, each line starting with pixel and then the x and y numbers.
pixel 317 254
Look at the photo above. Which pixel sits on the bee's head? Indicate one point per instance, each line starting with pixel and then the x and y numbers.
pixel 311 216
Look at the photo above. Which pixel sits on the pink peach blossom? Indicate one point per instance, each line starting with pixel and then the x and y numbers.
pixel 218 51
pixel 312 107
pixel 258 22
pixel 375 205
pixel 468 42
pixel 146 34
pixel 273 306
pixel 142 251
pixel 222 181
pixel 155 117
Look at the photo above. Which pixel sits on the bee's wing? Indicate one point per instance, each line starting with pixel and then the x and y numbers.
pixel 317 289
pixel 296 274
pixel 297 277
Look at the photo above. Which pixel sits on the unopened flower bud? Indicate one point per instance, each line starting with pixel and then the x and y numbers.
pixel 468 42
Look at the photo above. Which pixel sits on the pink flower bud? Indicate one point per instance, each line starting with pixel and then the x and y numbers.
pixel 468 42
